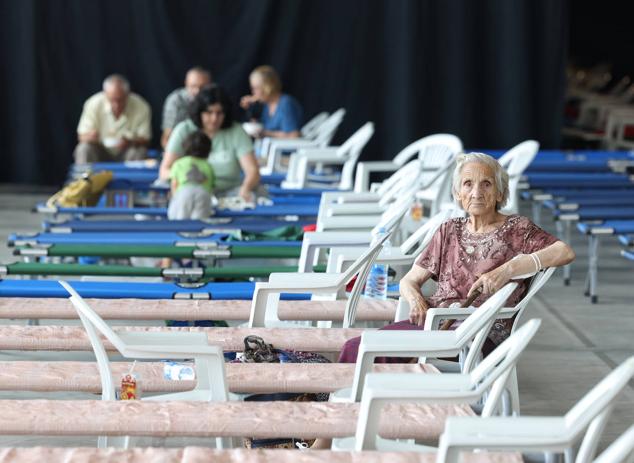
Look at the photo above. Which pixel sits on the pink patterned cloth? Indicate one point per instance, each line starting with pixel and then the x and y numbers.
pixel 456 258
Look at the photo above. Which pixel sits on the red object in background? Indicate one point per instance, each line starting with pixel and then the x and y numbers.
pixel 310 228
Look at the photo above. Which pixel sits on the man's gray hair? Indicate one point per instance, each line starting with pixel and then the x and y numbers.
pixel 501 177
pixel 116 79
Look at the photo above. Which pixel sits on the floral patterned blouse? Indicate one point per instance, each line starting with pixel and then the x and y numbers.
pixel 456 258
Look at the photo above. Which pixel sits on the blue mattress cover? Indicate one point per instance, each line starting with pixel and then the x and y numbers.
pixel 618 226
pixel 118 290
pixel 600 213
pixel 627 254
pixel 608 201
pixel 543 180
pixel 627 240
pixel 245 224
pixel 259 211
pixel 167 238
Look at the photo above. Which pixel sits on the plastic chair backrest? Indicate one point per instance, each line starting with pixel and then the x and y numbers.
pixel 401 175
pixel 393 215
pixel 351 150
pixel 515 161
pixel 593 410
pixel 327 130
pixel 383 388
pixel 619 451
pixel 93 324
pixel 535 285
pixel 492 372
pixel 310 128
pixel 423 235
pixel 451 141
pixel 350 313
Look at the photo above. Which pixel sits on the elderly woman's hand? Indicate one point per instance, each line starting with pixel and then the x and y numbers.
pixel 491 281
pixel 418 310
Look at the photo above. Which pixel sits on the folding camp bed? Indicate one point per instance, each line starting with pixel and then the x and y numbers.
pixel 262 420
pixel 174 251
pixel 594 231
pixel 299 210
pixel 573 203
pixel 578 180
pixel 251 378
pixel 115 290
pixel 173 309
pixel 627 240
pixel 154 454
pixel 179 274
pixel 143 238
pixel 214 225
pixel 627 254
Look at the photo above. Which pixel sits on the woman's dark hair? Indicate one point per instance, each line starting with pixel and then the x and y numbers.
pixel 206 97
pixel 197 144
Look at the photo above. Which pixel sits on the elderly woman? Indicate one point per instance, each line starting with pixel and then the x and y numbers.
pixel 476 252
pixel 281 113
pixel 231 152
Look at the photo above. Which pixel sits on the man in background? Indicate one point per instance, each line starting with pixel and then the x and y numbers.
pixel 114 124
pixel 177 102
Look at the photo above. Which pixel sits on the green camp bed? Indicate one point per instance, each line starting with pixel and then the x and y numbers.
pixel 175 252
pixel 47 269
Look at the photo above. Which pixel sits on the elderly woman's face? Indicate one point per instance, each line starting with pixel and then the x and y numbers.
pixel 478 193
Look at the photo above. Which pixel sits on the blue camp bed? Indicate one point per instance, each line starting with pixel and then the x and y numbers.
pixel 274 191
pixel 302 210
pixel 594 231
pixel 573 203
pixel 578 180
pixel 585 214
pixel 145 238
pixel 627 254
pixel 627 240
pixel 564 193
pixel 163 225
pixel 119 290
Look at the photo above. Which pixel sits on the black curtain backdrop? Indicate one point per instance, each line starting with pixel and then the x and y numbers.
pixel 491 72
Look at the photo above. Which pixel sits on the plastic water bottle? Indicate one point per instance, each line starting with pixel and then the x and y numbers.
pixel 376 286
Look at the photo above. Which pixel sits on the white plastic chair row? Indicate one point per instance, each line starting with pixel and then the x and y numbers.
pixel 584 422
pixel 487 379
pixel 364 169
pixel 345 155
pixel 318 137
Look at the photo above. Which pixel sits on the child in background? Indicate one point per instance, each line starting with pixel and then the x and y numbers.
pixel 192 180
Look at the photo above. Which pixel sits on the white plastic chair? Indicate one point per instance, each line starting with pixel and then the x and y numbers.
pixel 488 378
pixel 342 232
pixel 267 294
pixel 310 128
pixel 515 161
pixel 402 256
pixel 437 343
pixel 364 169
pixel 345 155
pixel 272 148
pixel 209 360
pixel 419 175
pixel 435 315
pixel 585 421
pixel 619 451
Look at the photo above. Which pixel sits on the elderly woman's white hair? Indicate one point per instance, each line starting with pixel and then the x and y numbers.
pixel 501 177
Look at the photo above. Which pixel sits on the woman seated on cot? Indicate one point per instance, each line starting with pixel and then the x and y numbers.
pixel 475 253
pixel 231 156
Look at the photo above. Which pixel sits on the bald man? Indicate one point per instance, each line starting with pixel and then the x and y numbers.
pixel 114 125
pixel 177 102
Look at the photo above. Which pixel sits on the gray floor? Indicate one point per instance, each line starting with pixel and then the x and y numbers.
pixel 577 345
